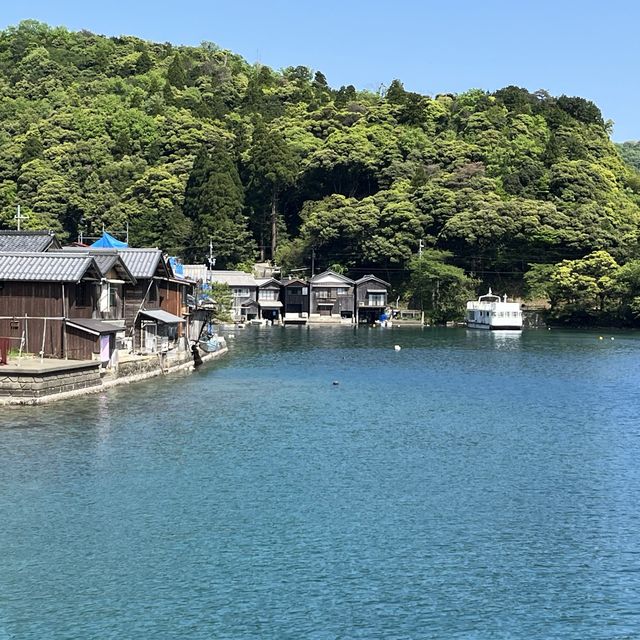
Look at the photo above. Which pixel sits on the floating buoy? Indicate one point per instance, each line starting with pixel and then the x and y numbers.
pixel 335 383
pixel 397 347
pixel 613 338
pixel 600 338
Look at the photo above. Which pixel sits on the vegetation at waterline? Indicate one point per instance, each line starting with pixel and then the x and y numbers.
pixel 183 145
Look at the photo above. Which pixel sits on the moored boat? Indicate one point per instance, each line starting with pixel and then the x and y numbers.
pixel 211 344
pixel 492 312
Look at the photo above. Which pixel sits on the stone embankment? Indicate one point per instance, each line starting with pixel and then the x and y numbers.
pixel 38 382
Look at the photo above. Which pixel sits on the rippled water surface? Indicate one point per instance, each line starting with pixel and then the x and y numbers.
pixel 471 485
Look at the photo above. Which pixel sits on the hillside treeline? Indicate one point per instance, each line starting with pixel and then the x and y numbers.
pixel 184 146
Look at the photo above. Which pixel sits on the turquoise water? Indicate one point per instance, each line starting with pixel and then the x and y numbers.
pixel 471 485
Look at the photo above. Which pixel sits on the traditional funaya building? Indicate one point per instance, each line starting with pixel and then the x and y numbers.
pixel 371 299
pixel 331 296
pixel 48 302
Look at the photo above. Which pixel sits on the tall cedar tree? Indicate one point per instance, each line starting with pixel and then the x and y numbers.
pixel 272 169
pixel 214 200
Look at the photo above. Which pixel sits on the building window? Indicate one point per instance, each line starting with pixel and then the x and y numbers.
pixel 268 294
pixel 113 296
pixel 241 292
pixel 83 294
pixel 342 291
pixel 323 294
pixel 376 300
pixel 295 291
pixel 153 292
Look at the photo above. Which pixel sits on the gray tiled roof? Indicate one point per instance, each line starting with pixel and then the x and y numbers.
pixel 142 263
pixel 106 259
pixel 46 267
pixel 27 241
pixel 233 278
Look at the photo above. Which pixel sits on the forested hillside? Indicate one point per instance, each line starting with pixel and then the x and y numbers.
pixel 630 152
pixel 187 144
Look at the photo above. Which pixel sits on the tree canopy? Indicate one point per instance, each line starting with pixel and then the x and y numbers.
pixel 186 145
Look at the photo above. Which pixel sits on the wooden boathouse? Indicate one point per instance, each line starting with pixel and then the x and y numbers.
pixel 45 301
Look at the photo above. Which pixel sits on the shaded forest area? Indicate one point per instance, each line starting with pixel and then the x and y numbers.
pixel 187 145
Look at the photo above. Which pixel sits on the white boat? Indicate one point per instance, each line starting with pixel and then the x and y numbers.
pixel 491 312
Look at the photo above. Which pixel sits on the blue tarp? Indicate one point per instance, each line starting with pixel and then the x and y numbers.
pixel 178 267
pixel 109 242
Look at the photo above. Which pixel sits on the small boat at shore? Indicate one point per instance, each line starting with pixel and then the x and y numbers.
pixel 211 344
pixel 494 313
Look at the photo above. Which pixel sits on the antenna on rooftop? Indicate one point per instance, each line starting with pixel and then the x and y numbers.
pixel 19 217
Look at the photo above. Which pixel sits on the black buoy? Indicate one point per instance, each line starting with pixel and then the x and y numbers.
pixel 335 383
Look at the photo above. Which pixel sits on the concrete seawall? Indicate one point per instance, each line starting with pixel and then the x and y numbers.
pixel 39 383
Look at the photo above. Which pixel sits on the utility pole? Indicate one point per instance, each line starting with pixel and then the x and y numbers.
pixel 19 217
pixel 211 259
pixel 420 246
pixel 313 262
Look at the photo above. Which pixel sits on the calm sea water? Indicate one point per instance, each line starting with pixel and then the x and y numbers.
pixel 471 485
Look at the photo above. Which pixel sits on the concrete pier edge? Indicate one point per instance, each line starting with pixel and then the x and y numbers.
pixel 109 382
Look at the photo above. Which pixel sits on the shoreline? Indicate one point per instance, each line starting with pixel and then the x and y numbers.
pixel 109 381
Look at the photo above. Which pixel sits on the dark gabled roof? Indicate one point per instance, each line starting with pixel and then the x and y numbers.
pixel 28 241
pixel 265 282
pixel 47 267
pixel 106 259
pixel 96 327
pixel 371 277
pixel 289 281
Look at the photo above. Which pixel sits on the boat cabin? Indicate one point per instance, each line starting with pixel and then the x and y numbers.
pixel 492 312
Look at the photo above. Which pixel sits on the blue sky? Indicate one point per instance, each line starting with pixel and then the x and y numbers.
pixel 589 49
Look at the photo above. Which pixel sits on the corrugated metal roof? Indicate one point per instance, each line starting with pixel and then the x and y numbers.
pixel 195 271
pixel 162 316
pixel 27 241
pixel 91 325
pixel 46 267
pixel 233 278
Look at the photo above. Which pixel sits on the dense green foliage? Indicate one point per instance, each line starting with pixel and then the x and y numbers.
pixel 440 289
pixel 592 290
pixel 190 144
pixel 630 152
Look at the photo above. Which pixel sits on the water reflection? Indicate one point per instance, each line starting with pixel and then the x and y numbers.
pixel 470 483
